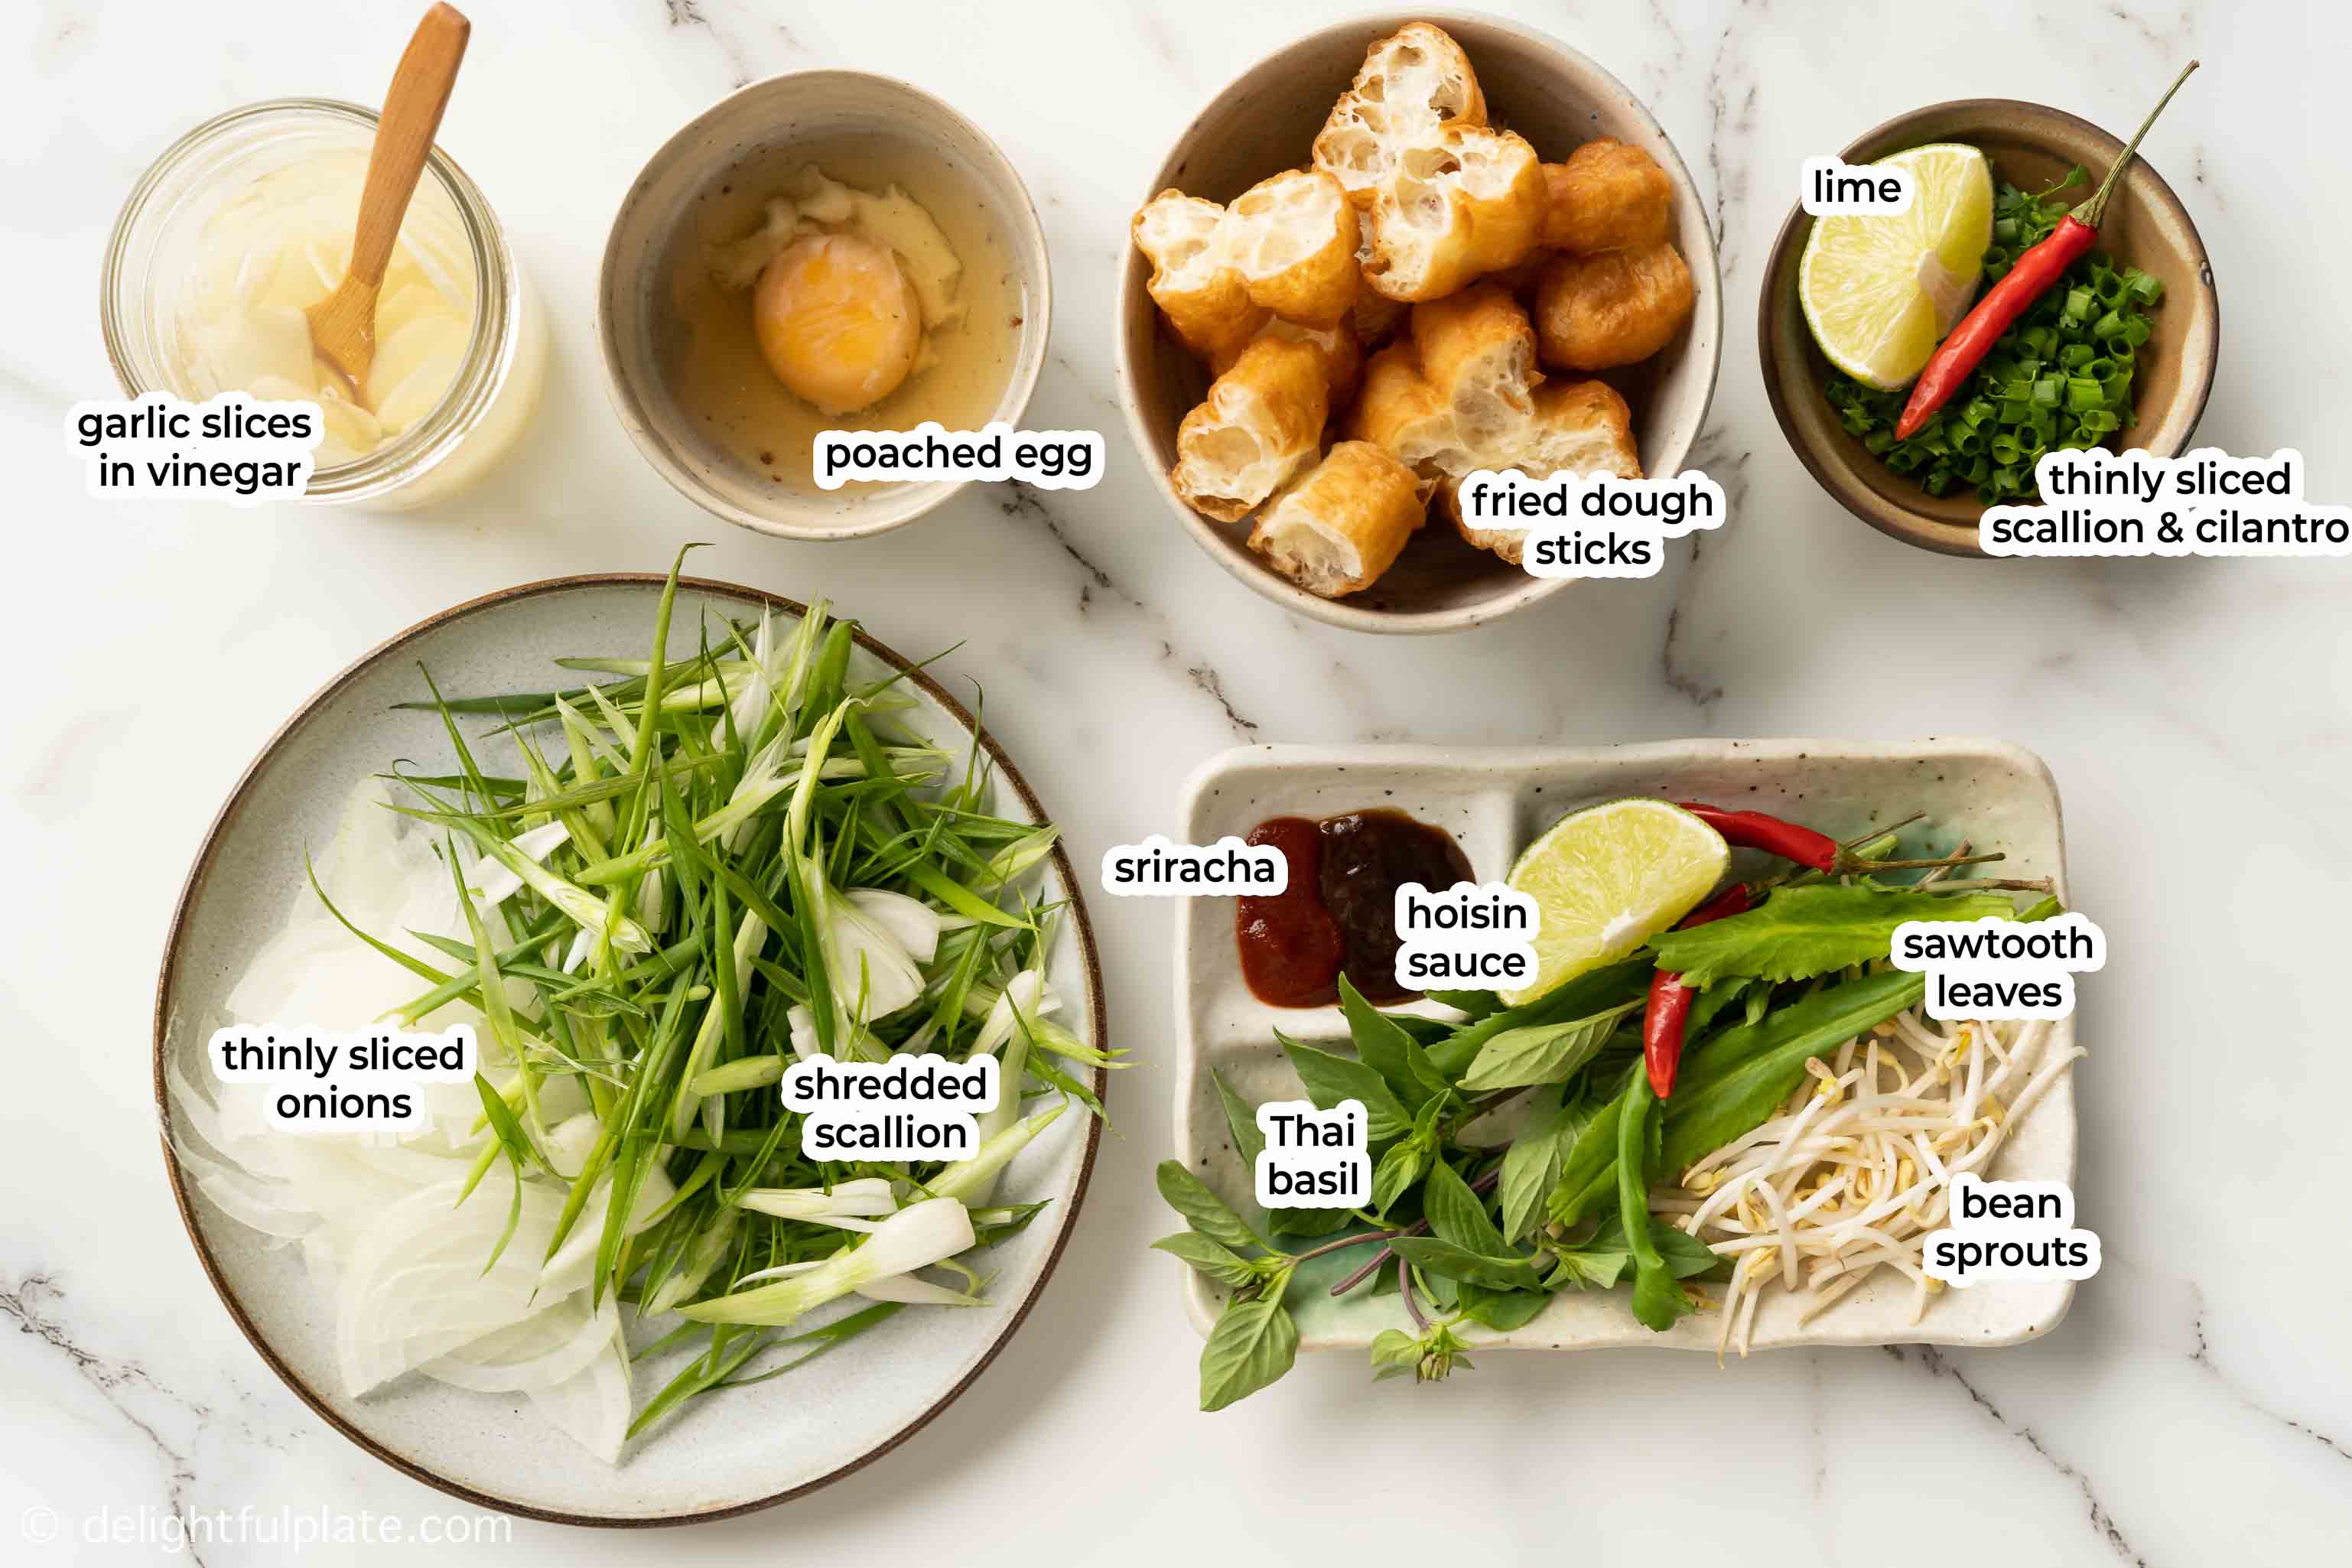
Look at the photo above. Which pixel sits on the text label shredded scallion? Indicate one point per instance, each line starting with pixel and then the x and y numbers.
pixel 909 1108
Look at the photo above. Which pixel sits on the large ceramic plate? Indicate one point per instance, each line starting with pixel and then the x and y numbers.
pixel 734 1451
pixel 1495 802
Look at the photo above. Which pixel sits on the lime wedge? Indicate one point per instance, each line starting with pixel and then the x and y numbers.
pixel 1881 290
pixel 1610 878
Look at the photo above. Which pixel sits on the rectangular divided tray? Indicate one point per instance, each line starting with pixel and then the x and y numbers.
pixel 1496 800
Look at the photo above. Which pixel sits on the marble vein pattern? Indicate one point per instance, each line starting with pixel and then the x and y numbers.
pixel 2197 1406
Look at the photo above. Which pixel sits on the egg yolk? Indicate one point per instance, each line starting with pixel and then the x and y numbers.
pixel 838 322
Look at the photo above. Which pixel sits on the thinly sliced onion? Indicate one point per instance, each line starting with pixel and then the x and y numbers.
pixel 591 1405
pixel 915 923
pixel 866 959
pixel 570 1141
pixel 543 1349
pixel 415 1287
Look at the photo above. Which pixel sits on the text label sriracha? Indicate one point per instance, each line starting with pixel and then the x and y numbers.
pixel 1157 866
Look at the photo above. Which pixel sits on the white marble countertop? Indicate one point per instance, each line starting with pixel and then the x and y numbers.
pixel 2197 1408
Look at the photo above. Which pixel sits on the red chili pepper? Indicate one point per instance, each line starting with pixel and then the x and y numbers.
pixel 1789 841
pixel 1754 830
pixel 1958 356
pixel 1669 1006
pixel 1736 900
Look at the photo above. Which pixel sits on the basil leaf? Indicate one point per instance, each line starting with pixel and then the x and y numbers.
pixel 1424 1071
pixel 1579 998
pixel 1395 1353
pixel 1435 1255
pixel 1202 1209
pixel 1206 1256
pixel 1254 1343
pixel 1502 1311
pixel 1330 1079
pixel 1542 1053
pixel 1458 1214
pixel 1476 1003
pixel 1306 1222
pixel 1531 1166
pixel 1380 1044
pixel 1241 1119
pixel 1799 933
pixel 1685 1254
pixel 1591 1265
pixel 1398 1168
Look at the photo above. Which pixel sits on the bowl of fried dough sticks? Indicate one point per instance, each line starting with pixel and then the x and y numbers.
pixel 1392 254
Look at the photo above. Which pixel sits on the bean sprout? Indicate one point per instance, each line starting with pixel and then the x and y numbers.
pixel 1856 1170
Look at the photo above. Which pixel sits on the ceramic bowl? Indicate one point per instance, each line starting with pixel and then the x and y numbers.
pixel 1264 121
pixel 1494 802
pixel 755 129
pixel 729 1455
pixel 2031 146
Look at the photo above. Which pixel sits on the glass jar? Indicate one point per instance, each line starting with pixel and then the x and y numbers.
pixel 162 238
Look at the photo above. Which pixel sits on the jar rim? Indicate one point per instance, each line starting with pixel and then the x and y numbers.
pixel 490 350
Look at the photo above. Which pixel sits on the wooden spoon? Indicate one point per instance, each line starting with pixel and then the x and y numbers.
pixel 342 325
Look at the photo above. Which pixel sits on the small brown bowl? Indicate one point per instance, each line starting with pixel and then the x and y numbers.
pixel 2031 146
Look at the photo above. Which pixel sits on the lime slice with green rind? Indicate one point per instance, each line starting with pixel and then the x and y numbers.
pixel 1881 289
pixel 1608 878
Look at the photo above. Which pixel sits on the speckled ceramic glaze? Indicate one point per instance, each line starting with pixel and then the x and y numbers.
pixel 1263 121
pixel 1495 802
pixel 730 1452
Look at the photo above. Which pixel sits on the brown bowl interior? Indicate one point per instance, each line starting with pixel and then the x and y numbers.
pixel 2031 147
pixel 1267 122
